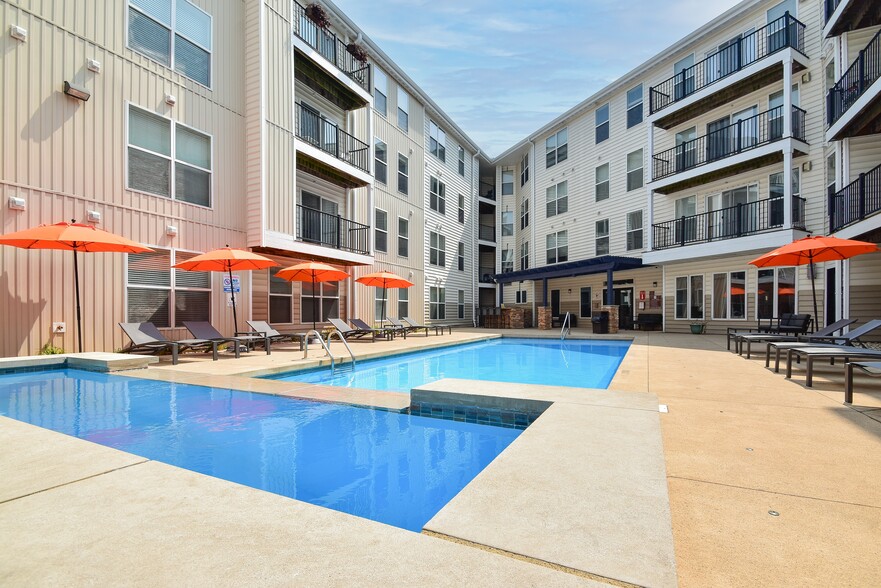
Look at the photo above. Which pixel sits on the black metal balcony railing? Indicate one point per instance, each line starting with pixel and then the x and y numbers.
pixel 727 223
pixel 331 230
pixel 784 32
pixel 856 201
pixel 743 135
pixel 861 74
pixel 486 232
pixel 486 274
pixel 487 191
pixel 330 47
pixel 831 5
pixel 327 136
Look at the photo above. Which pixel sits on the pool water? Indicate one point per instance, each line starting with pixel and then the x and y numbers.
pixel 580 363
pixel 394 468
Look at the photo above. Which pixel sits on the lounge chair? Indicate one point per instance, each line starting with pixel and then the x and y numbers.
pixel 750 338
pixel 872 368
pixel 408 328
pixel 814 352
pixel 384 332
pixel 437 328
pixel 787 324
pixel 851 339
pixel 265 329
pixel 146 337
pixel 346 331
pixel 205 330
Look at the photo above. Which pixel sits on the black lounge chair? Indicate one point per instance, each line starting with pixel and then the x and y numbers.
pixel 786 324
pixel 437 328
pixel 849 339
pixel 750 338
pixel 346 331
pixel 385 332
pixel 872 368
pixel 265 329
pixel 205 330
pixel 146 337
pixel 408 328
pixel 833 352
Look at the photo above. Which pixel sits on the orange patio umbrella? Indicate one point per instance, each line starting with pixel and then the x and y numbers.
pixel 312 271
pixel 810 250
pixel 227 259
pixel 74 237
pixel 384 280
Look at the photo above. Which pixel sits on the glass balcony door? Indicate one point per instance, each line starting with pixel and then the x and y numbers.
pixel 731 213
pixel 320 219
pixel 685 149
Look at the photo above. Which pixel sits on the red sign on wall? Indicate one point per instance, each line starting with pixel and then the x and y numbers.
pixel 642 294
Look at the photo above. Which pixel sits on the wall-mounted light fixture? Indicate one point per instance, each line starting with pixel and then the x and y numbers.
pixel 16 203
pixel 171 230
pixel 170 99
pixel 93 216
pixel 77 92
pixel 93 65
pixel 807 166
pixel 18 33
pixel 806 77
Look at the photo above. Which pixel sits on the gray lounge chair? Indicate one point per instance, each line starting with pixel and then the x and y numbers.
pixel 146 337
pixel 814 352
pixel 849 339
pixel 385 332
pixel 346 331
pixel 408 328
pixel 437 328
pixel 265 329
pixel 750 338
pixel 205 330
pixel 872 368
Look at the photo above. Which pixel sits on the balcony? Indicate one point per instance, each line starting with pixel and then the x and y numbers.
pixel 325 137
pixel 856 201
pixel 486 190
pixel 719 150
pixel 486 233
pixel 331 230
pixel 852 105
pixel 737 69
pixel 849 15
pixel 486 275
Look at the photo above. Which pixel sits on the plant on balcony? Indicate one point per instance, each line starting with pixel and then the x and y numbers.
pixel 357 51
pixel 317 14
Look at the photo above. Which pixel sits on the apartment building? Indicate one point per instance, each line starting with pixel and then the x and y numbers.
pixel 654 193
pixel 188 125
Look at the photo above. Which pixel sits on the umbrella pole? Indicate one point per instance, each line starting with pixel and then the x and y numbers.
pixel 313 302
pixel 814 292
pixel 232 293
pixel 76 288
pixel 382 314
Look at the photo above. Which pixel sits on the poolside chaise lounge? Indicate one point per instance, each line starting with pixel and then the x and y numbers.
pixel 381 331
pixel 205 330
pixel 146 337
pixel 408 328
pixel 265 329
pixel 787 323
pixel 849 339
pixel 437 328
pixel 872 368
pixel 346 331
pixel 750 338
pixel 814 352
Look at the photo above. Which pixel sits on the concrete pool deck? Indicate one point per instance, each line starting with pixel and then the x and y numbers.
pixel 738 441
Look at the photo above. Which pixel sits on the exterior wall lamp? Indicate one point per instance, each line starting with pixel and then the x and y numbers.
pixel 77 92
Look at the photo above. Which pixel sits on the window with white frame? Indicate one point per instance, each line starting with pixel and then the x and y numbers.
pixel 558 247
pixel 634 106
pixel 281 297
pixel 729 295
pixel 380 153
pixel 634 230
pixel 557 199
pixel 168 159
pixel 162 295
pixel 437 303
pixel 524 255
pixel 403 303
pixel 403 174
pixel 403 110
pixel 380 234
pixel 601 120
pixel 379 304
pixel 524 213
pixel 602 237
pixel 689 301
pixel 462 209
pixel 319 302
pixel 634 170
pixel 437 249
pixel 461 256
pixel 556 148
pixel 507 260
pixel 437 141
pixel 507 223
pixel 462 162
pixel 775 195
pixel 521 297
pixel 176 33
pixel 507 182
pixel 775 293
pixel 380 91
pixel 601 182
pixel 437 199
pixel 524 169
pixel 403 237
pixel 461 304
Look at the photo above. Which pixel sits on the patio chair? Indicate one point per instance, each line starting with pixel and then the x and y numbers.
pixel 346 331
pixel 265 329
pixel 205 330
pixel 408 328
pixel 385 332
pixel 437 328
pixel 871 368
pixel 750 338
pixel 814 352
pixel 849 339
pixel 146 337
pixel 787 324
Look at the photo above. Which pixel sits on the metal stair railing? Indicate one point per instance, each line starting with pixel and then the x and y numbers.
pixel 567 326
pixel 345 344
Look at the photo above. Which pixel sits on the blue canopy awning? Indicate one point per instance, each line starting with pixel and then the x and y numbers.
pixel 568 269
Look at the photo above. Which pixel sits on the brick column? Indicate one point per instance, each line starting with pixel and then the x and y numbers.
pixel 544 318
pixel 613 317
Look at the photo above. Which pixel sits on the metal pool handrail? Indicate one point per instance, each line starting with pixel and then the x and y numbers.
pixel 323 344
pixel 567 327
pixel 344 342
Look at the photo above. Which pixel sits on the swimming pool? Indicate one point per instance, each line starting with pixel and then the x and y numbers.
pixel 585 363
pixel 395 468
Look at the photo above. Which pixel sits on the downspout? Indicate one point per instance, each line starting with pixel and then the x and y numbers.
pixel 532 224
pixel 475 189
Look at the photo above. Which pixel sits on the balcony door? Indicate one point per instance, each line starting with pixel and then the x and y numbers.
pixel 730 56
pixel 745 129
pixel 685 149
pixel 733 212
pixel 320 220
pixel 318 130
pixel 777 26
pixel 685 227
pixel 718 138
pixel 684 72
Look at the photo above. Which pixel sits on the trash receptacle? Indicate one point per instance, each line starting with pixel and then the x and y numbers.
pixel 600 321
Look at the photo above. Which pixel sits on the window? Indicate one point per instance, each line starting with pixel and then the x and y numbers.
pixel 168 159
pixel 381 232
pixel 634 230
pixel 437 301
pixel 601 117
pixel 462 208
pixel 521 297
pixel 830 75
pixel 683 70
pixel 437 141
pixel 461 256
pixel 584 303
pixel 281 294
pixel 557 148
pixel 557 199
pixel 437 247
pixel 403 303
pixel 507 260
pixel 689 297
pixel 524 169
pixel 403 174
pixel 379 302
pixel 403 237
pixel 319 302
pixel 438 196
pixel 601 182
pixel 403 110
pixel 164 296
pixel 461 305
pixel 602 237
pixel 634 106
pixel 507 223
pixel 775 294
pixel 380 152
pixel 184 47
pixel 524 255
pixel 462 162
pixel 634 170
pixel 558 247
pixel 524 214
pixel 507 183
pixel 830 174
pixel 380 91
pixel 775 195
pixel 729 295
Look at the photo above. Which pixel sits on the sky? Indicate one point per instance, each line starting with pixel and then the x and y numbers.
pixel 502 69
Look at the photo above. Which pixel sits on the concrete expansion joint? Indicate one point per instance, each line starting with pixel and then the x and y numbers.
pixel 531 560
pixel 83 479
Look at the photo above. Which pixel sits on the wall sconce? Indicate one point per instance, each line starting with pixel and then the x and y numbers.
pixel 93 65
pixel 807 166
pixel 77 92
pixel 18 33
pixel 570 291
pixel 93 216
pixel 171 231
pixel 170 99
pixel 806 77
pixel 654 284
pixel 16 203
